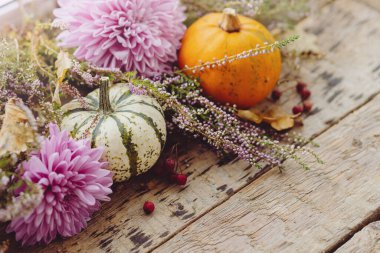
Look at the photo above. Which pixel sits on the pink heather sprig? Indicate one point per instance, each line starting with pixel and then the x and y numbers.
pixel 137 90
pixel 188 110
pixel 11 206
pixel 32 93
pixel 218 125
pixel 86 77
pixel 21 205
pixel 73 93
pixel 266 48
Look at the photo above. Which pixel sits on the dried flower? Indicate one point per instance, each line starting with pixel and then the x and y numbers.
pixel 136 90
pixel 22 204
pixel 20 77
pixel 126 34
pixel 74 93
pixel 73 181
pixel 266 48
pixel 188 110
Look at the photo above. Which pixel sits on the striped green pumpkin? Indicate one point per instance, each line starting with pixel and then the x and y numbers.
pixel 130 127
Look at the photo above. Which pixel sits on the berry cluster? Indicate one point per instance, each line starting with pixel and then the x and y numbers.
pixel 178 178
pixel 167 168
pixel 306 106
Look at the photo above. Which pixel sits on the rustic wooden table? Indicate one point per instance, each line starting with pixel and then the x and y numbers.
pixel 228 206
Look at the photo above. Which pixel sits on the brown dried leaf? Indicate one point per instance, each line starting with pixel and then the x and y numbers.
pixel 274 116
pixel 18 129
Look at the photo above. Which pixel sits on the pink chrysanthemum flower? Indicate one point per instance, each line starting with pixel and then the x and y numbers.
pixel 74 182
pixel 132 35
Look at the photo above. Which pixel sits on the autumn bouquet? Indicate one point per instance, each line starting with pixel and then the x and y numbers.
pixel 97 96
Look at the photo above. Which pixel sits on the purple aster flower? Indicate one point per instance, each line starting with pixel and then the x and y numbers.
pixel 132 35
pixel 74 182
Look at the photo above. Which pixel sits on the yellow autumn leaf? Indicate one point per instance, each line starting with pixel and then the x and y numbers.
pixel 18 128
pixel 283 123
pixel 250 116
pixel 274 116
pixel 63 64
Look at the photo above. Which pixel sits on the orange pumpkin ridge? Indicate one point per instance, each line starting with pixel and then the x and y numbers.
pixel 244 82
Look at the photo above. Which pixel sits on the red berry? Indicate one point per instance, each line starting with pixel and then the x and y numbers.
pixel 181 179
pixel 301 86
pixel 305 94
pixel 170 164
pixel 148 207
pixel 307 106
pixel 297 109
pixel 276 95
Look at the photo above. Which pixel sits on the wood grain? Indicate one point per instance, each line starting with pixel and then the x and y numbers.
pixel 341 82
pixel 373 3
pixel 365 241
pixel 299 211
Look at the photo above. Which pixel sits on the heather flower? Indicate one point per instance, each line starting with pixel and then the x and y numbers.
pixel 131 35
pixel 73 181
pixel 218 125
pixel 141 91
pixel 266 48
pixel 21 205
pixel 4 181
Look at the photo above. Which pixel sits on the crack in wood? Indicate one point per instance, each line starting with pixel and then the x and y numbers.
pixel 372 218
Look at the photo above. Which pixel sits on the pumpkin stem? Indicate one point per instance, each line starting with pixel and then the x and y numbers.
pixel 104 99
pixel 230 21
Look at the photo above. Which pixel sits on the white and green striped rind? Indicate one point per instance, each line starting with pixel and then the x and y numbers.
pixel 133 135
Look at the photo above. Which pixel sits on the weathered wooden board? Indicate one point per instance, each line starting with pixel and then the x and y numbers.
pixel 365 241
pixel 299 211
pixel 121 225
pixel 338 88
pixel 372 3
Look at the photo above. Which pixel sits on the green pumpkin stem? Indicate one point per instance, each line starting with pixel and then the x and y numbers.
pixel 104 99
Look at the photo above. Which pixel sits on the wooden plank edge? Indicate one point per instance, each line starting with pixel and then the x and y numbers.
pixel 372 3
pixel 365 241
pixel 375 216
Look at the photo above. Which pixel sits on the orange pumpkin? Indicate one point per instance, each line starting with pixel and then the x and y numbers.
pixel 244 82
